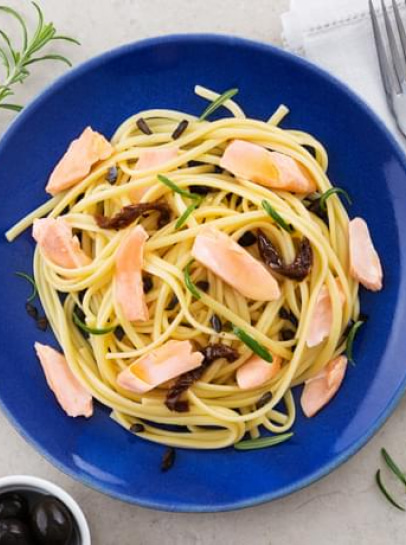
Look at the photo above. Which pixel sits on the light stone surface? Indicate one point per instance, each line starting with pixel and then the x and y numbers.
pixel 344 508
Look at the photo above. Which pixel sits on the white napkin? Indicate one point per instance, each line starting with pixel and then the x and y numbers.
pixel 337 35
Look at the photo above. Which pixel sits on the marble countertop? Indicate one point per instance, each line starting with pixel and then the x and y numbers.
pixel 344 508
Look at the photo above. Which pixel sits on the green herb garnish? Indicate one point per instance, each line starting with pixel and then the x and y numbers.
pixel 350 339
pixel 189 210
pixel 31 280
pixel 393 466
pixel 176 189
pixel 385 491
pixel 17 60
pixel 255 346
pixel 262 442
pixel 219 101
pixel 333 191
pixel 188 281
pixel 92 330
pixel 275 216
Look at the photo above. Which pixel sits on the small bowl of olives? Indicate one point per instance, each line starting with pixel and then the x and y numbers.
pixel 34 511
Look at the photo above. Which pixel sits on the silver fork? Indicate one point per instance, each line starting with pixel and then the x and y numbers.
pixel 392 60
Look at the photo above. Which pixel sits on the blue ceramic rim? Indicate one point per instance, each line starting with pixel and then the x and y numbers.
pixel 352 96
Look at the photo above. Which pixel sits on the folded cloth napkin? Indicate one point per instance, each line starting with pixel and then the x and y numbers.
pixel 337 35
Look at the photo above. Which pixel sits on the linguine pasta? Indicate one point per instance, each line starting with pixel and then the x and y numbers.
pixel 220 412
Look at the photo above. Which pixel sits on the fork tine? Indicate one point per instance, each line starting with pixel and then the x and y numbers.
pixel 387 73
pixel 401 27
pixel 398 62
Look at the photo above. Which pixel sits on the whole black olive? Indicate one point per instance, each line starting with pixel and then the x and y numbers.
pixel 14 532
pixel 51 522
pixel 13 506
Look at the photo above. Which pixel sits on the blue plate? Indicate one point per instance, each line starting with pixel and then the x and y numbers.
pixel 364 159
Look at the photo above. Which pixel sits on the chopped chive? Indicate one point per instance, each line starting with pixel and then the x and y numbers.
pixel 31 280
pixel 219 101
pixel 332 191
pixel 180 129
pixel 188 282
pixel 143 126
pixel 263 442
pixel 275 216
pixel 168 459
pixel 176 189
pixel 350 339
pixel 393 466
pixel 255 346
pixel 189 210
pixel 385 491
pixel 92 330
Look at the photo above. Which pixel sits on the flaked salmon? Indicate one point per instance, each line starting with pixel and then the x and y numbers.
pixel 74 399
pixel 318 390
pixel 255 372
pixel 77 162
pixel 322 318
pixel 129 290
pixel 233 264
pixel 365 265
pixel 164 363
pixel 268 168
pixel 57 243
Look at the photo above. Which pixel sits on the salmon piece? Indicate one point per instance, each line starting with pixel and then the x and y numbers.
pixel 322 319
pixel 233 264
pixel 268 168
pixel 164 363
pixel 152 158
pixel 365 265
pixel 74 399
pixel 55 239
pixel 77 162
pixel 129 290
pixel 255 372
pixel 318 390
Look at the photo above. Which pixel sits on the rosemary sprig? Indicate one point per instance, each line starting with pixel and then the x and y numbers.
pixel 254 345
pixel 350 339
pixel 270 210
pixel 219 101
pixel 185 216
pixel 393 466
pixel 91 330
pixel 262 442
pixel 189 283
pixel 31 280
pixel 17 60
pixel 333 191
pixel 176 189
pixel 386 492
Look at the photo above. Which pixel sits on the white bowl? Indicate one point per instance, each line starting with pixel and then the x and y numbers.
pixel 27 483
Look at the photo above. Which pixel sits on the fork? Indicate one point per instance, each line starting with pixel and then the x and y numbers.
pixel 392 63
